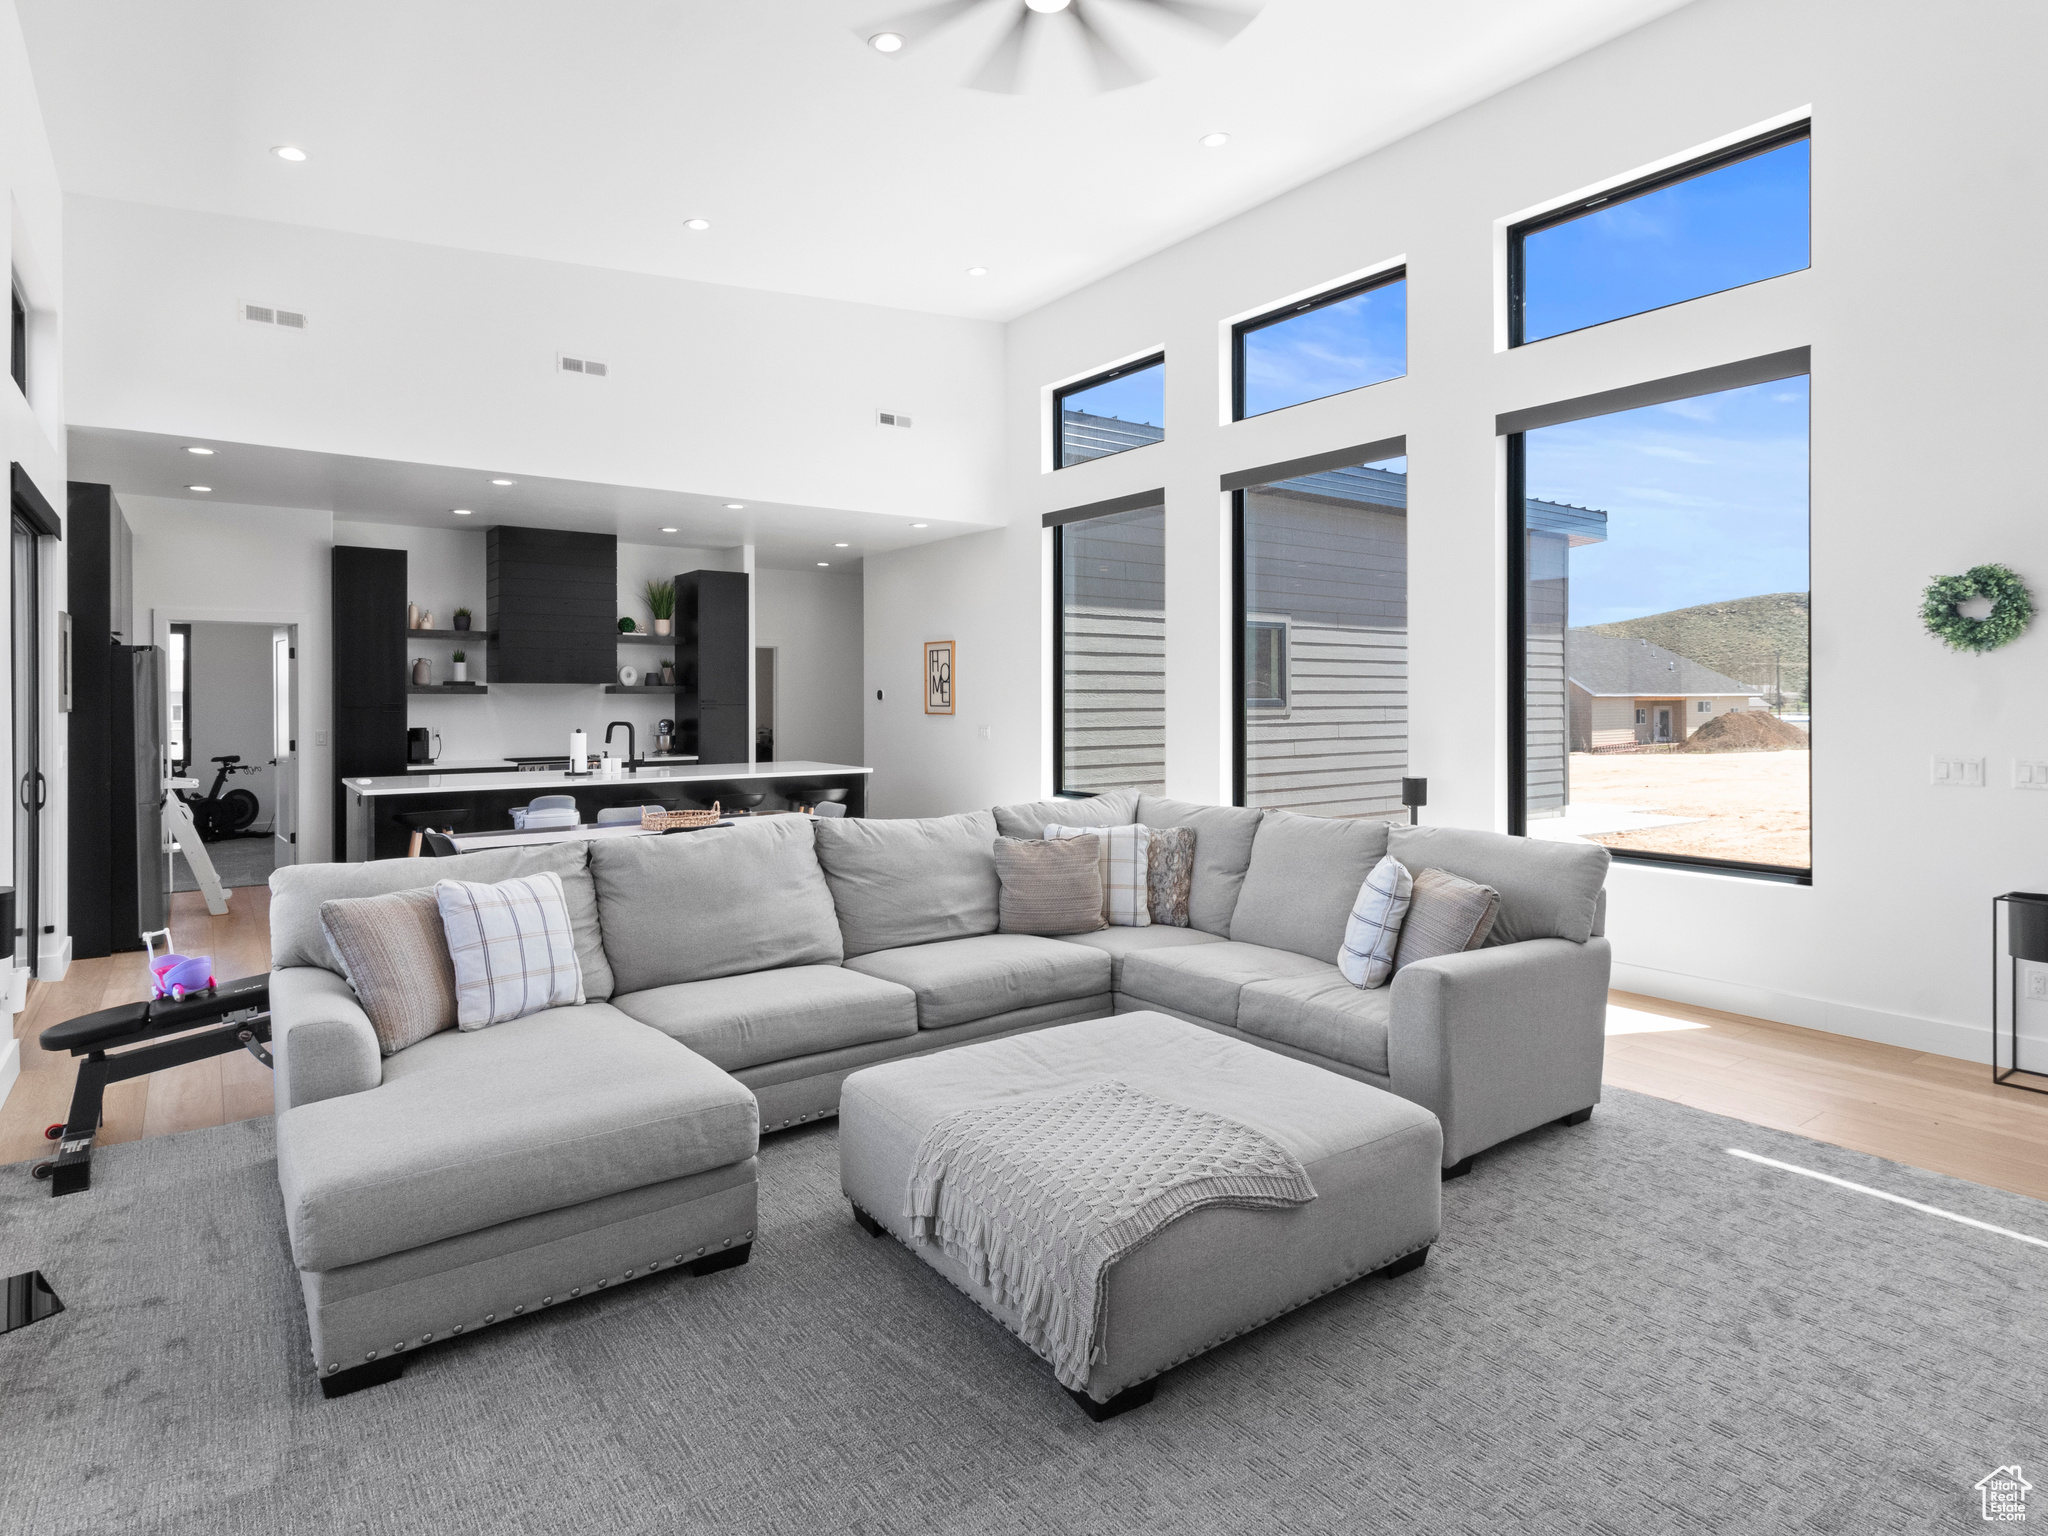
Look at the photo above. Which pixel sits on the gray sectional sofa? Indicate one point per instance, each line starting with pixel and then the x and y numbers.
pixel 734 978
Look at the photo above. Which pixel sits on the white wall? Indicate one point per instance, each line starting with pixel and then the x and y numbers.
pixel 432 355
pixel 1922 311
pixel 32 435
pixel 813 619
pixel 230 708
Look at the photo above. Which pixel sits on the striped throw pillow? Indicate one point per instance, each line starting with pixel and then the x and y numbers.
pixel 1374 929
pixel 513 950
pixel 1126 884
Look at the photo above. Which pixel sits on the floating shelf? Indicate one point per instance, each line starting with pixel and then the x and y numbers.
pixel 642 688
pixel 638 637
pixel 449 689
pixel 445 634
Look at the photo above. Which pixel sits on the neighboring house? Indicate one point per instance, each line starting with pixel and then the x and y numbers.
pixel 1627 691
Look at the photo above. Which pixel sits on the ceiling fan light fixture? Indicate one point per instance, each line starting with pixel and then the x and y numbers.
pixel 886 42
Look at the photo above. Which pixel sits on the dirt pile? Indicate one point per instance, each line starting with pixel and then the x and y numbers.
pixel 1751 730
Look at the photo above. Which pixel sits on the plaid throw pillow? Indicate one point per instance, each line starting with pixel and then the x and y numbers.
pixel 1374 929
pixel 1126 859
pixel 512 946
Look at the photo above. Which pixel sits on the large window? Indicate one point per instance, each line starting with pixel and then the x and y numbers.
pixel 1109 720
pixel 1738 217
pixel 1323 346
pixel 1322 598
pixel 1662 631
pixel 1122 409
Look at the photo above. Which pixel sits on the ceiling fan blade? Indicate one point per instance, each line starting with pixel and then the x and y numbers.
pixel 1114 69
pixel 999 72
pixel 921 22
pixel 1223 20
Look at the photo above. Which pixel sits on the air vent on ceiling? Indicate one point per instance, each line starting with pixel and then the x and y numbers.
pixel 590 368
pixel 892 419
pixel 270 314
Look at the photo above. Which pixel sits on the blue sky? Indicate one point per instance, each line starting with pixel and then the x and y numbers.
pixel 1139 396
pixel 1739 224
pixel 1706 499
pixel 1343 346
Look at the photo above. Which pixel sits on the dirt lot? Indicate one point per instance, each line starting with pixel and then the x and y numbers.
pixel 1754 805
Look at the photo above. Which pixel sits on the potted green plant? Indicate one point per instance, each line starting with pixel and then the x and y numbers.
pixel 661 602
pixel 461 661
pixel 462 618
pixel 668 671
pixel 627 626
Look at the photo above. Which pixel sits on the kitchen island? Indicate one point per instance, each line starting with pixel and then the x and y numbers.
pixel 374 805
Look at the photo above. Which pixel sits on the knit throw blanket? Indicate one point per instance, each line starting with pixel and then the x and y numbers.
pixel 1038 1197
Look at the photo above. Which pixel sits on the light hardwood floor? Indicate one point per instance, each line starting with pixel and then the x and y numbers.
pixel 1930 1111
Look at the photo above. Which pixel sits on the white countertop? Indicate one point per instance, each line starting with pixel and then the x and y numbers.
pixel 483 783
pixel 504 764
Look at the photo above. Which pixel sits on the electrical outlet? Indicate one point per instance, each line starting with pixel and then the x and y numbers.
pixel 2027 775
pixel 1959 772
pixel 2037 981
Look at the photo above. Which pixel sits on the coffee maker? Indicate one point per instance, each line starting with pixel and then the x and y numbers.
pixel 664 735
pixel 420 746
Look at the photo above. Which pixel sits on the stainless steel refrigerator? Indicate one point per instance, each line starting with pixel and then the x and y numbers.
pixel 141 874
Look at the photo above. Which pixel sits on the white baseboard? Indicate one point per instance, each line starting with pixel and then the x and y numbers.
pixel 54 958
pixel 10 1064
pixel 1967 1042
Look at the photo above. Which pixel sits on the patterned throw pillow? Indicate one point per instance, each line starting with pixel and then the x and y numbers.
pixel 1374 930
pixel 1126 859
pixel 1170 874
pixel 1446 915
pixel 394 953
pixel 512 948
pixel 1048 887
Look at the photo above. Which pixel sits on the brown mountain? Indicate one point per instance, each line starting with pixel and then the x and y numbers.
pixel 1751 639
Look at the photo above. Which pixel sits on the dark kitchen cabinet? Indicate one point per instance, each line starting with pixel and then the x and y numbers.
pixel 714 651
pixel 552 602
pixel 370 669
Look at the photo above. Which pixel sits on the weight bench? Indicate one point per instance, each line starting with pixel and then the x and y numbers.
pixel 147 1037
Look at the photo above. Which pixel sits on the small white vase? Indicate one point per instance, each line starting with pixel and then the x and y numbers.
pixel 461 671
pixel 661 626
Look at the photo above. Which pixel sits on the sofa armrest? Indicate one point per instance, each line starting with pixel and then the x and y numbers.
pixel 1499 1041
pixel 320 1037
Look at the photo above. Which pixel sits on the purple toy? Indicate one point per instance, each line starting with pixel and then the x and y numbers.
pixel 177 975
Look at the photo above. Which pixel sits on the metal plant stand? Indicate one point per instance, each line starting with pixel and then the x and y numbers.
pixel 2024 917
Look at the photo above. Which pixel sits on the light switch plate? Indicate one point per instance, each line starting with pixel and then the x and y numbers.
pixel 2026 775
pixel 1958 772
pixel 2037 981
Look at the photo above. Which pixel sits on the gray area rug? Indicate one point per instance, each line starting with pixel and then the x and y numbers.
pixel 237 860
pixel 1622 1330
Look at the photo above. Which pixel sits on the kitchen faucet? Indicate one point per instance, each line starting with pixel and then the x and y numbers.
pixel 632 750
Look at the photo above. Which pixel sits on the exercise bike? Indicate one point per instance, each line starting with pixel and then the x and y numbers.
pixel 220 815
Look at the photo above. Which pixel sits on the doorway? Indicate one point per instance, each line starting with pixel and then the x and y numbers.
pixel 764 704
pixel 30 788
pixel 1663 723
pixel 234 688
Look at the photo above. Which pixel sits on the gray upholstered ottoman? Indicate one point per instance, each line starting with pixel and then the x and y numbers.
pixel 1215 1272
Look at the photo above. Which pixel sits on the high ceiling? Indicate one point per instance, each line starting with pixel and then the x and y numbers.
pixel 592 132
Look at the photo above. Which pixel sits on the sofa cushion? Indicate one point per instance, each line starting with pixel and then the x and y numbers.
pixel 394 951
pixel 911 882
pixel 297 890
pixel 1373 930
pixel 1113 808
pixel 1049 886
pixel 469 1130
pixel 749 897
pixel 1126 867
pixel 747 1021
pixel 1204 980
pixel 1117 943
pixel 1447 915
pixel 962 980
pixel 1169 873
pixel 1321 1013
pixel 1304 879
pixel 1547 890
pixel 1223 847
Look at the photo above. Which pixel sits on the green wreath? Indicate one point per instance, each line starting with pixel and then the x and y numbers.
pixel 2011 608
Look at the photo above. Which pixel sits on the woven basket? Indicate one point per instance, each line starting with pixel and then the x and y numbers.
pixel 668 821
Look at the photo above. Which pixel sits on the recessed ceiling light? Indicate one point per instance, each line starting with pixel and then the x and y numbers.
pixel 504 482
pixel 1215 140
pixel 462 511
pixel 886 42
pixel 920 525
pixel 1048 6
pixel 824 562
pixel 977 271
pixel 696 223
pixel 668 530
pixel 735 506
pixel 202 489
pixel 203 452
pixel 839 546
pixel 290 152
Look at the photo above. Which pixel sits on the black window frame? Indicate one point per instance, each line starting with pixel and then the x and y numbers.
pixel 1059 397
pixel 1293 311
pixel 1748 149
pixel 17 344
pixel 1058 522
pixel 1281 628
pixel 1515 514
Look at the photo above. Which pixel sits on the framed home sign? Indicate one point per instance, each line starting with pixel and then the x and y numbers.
pixel 938 677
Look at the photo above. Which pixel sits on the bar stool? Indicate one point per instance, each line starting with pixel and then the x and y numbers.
pixel 420 822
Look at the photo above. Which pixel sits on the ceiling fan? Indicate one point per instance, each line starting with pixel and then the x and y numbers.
pixel 1002 70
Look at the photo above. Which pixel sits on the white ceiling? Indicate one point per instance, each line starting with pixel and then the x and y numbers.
pixel 421 495
pixel 590 132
